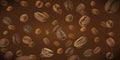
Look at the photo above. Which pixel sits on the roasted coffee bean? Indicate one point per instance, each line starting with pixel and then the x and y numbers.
pixel 110 42
pixel 24 18
pixel 92 3
pixel 38 31
pixel 68 4
pixel 16 38
pixel 46 52
pixel 69 51
pixel 71 36
pixel 7 20
pixel 68 43
pixel 103 24
pixel 3 3
pixel 97 39
pixel 94 31
pixel 56 28
pixel 83 29
pixel 46 41
pixel 41 17
pixel 26 39
pixel 59 50
pixel 48 4
pixel 54 22
pixel 9 8
pixel 27 29
pixel 80 7
pixel 3 50
pixel 11 27
pixel 8 55
pixel 57 8
pixel 32 57
pixel 5 32
pixel 4 42
pixel 109 24
pixel 109 55
pixel 97 50
pixel 112 34
pixel 23 58
pixel 71 27
pixel 84 21
pixel 31 44
pixel 74 57
pixel 82 40
pixel 47 32
pixel 61 35
pixel 112 6
pixel 19 52
pixel 39 4
pixel 24 3
pixel 88 53
pixel 69 18
pixel 95 11
pixel 56 43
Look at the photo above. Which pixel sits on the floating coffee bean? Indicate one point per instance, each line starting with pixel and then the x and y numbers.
pixel 9 8
pixel 54 22
pixel 57 8
pixel 39 4
pixel 69 18
pixel 11 27
pixel 46 41
pixel 27 29
pixel 82 40
pixel 48 4
pixel 37 31
pixel 26 39
pixel 56 43
pixel 16 38
pixel 80 7
pixel 110 42
pixel 109 24
pixel 83 29
pixel 71 27
pixel 71 36
pixel 19 52
pixel 95 11
pixel 97 50
pixel 8 55
pixel 7 20
pixel 94 31
pixel 69 51
pixel 32 57
pixel 22 58
pixel 4 42
pixel 84 21
pixel 92 3
pixel 88 53
pixel 68 4
pixel 46 52
pixel 5 32
pixel 109 55
pixel 3 2
pixel 68 43
pixel 24 18
pixel 59 50
pixel 97 39
pixel 24 3
pixel 61 35
pixel 74 57
pixel 112 34
pixel 41 17
pixel 112 6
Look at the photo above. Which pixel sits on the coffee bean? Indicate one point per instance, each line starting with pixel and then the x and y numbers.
pixel 95 11
pixel 59 50
pixel 39 4
pixel 103 24
pixel 112 34
pixel 19 52
pixel 41 17
pixel 38 31
pixel 94 31
pixel 24 3
pixel 61 35
pixel 82 40
pixel 97 50
pixel 5 32
pixel 7 20
pixel 16 38
pixel 47 32
pixel 69 18
pixel 80 7
pixel 74 57
pixel 97 39
pixel 109 55
pixel 31 44
pixel 68 43
pixel 46 52
pixel 88 53
pixel 48 4
pixel 24 18
pixel 71 27
pixel 27 29
pixel 109 24
pixel 112 6
pixel 71 36
pixel 11 27
pixel 56 28
pixel 26 39
pixel 3 50
pixel 83 29
pixel 32 57
pixel 84 21
pixel 110 42
pixel 56 43
pixel 3 3
pixel 54 22
pixel 92 3
pixel 9 8
pixel 68 4
pixel 4 42
pixel 8 55
pixel 22 58
pixel 69 51
pixel 57 8
pixel 46 41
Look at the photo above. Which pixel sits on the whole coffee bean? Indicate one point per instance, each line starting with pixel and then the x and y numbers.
pixel 24 3
pixel 88 53
pixel 112 6
pixel 97 39
pixel 5 32
pixel 61 35
pixel 9 8
pixel 46 41
pixel 94 31
pixel 84 21
pixel 31 44
pixel 54 22
pixel 59 50
pixel 7 20
pixel 16 38
pixel 109 55
pixel 39 4
pixel 83 29
pixel 95 11
pixel 8 55
pixel 56 28
pixel 109 24
pixel 68 4
pixel 69 51
pixel 19 52
pixel 4 42
pixel 37 31
pixel 80 7
pixel 68 43
pixel 92 3
pixel 103 24
pixel 112 34
pixel 26 39
pixel 24 18
pixel 27 29
pixel 110 42
pixel 11 27
pixel 74 57
pixel 69 18
pixel 97 50
pixel 71 36
pixel 48 4
pixel 57 8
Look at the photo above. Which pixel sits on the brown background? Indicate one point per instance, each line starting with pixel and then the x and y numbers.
pixel 95 20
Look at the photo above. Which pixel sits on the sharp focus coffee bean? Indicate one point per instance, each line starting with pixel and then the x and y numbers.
pixel 4 42
pixel 57 8
pixel 94 31
pixel 39 4
pixel 109 55
pixel 24 18
pixel 7 20
pixel 16 38
pixel 8 55
pixel 112 6
pixel 88 53
pixel 27 29
pixel 69 51
pixel 82 40
pixel 110 42
pixel 109 24
pixel 84 21
pixel 74 57
pixel 41 17
pixel 61 35
pixel 69 18
pixel 68 4
pixel 46 52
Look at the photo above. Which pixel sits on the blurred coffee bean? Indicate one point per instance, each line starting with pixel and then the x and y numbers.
pixel 83 29
pixel 54 22
pixel 32 57
pixel 112 6
pixel 3 50
pixel 59 50
pixel 103 24
pixel 71 27
pixel 109 55
pixel 69 51
pixel 109 24
pixel 97 39
pixel 80 7
pixel 22 58
pixel 24 18
pixel 47 32
pixel 110 42
pixel 46 41
pixel 69 18
pixel 94 31
pixel 11 27
pixel 48 4
pixel 71 36
pixel 68 4
pixel 19 52
pixel 111 34
pixel 8 55
pixel 97 50
pixel 68 43
pixel 31 44
pixel 39 4
pixel 26 39
pixel 92 3
pixel 16 38
pixel 88 53
pixel 5 32
pixel 61 35
pixel 7 20
pixel 3 3
pixel 9 8
pixel 4 42
pixel 56 43
pixel 24 3
pixel 56 28
pixel 27 29
pixel 74 57
pixel 38 31
pixel 57 8
pixel 95 11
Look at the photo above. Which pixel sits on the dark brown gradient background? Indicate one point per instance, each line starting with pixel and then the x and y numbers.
pixel 95 21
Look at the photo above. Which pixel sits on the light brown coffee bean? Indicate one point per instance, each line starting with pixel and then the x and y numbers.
pixel 61 35
pixel 47 32
pixel 24 18
pixel 109 24
pixel 110 42
pixel 92 3
pixel 112 6
pixel 19 52
pixel 84 21
pixel 4 42
pixel 11 27
pixel 38 31
pixel 7 20
pixel 31 44
pixel 80 7
pixel 68 4
pixel 59 50
pixel 27 29
pixel 68 43
pixel 103 24
pixel 112 34
pixel 16 38
pixel 69 51
pixel 46 41
pixel 56 43
pixel 69 18
pixel 82 40
pixel 109 55
pixel 71 27
pixel 57 8
pixel 97 50
pixel 39 4
pixel 74 57
pixel 71 36
pixel 48 4
pixel 32 57
pixel 94 31
pixel 83 29
pixel 95 11
pixel 24 3
pixel 56 28
pixel 41 17
pixel 26 39
pixel 88 53
pixel 54 22
pixel 5 32
pixel 97 39
pixel 9 8
pixel 8 55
